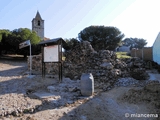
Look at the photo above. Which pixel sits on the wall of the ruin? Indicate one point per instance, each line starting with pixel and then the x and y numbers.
pixel 83 58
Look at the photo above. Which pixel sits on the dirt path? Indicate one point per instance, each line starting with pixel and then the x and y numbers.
pixel 23 98
pixel 12 67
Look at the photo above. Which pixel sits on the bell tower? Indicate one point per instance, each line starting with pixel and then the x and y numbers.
pixel 38 25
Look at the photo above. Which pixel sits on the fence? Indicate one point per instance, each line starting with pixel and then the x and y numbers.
pixel 144 53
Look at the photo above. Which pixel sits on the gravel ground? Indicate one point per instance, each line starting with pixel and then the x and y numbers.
pixel 18 92
pixel 19 98
pixel 13 85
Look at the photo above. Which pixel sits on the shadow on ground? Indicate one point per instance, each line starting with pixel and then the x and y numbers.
pixel 63 101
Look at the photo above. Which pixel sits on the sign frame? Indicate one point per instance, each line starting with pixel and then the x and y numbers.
pixel 50 43
pixel 24 44
pixel 51 53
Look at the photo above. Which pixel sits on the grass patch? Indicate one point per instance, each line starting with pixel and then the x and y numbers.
pixel 121 55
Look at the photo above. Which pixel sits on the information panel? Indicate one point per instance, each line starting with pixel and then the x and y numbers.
pixel 51 53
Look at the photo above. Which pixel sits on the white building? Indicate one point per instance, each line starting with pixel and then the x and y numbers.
pixel 124 49
pixel 156 49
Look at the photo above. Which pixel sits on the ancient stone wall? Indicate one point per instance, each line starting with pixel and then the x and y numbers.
pixel 51 68
pixel 103 64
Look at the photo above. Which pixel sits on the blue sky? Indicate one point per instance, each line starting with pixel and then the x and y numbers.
pixel 66 18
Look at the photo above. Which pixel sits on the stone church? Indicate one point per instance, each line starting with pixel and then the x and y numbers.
pixel 38 25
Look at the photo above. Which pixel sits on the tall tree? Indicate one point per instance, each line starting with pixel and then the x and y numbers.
pixel 71 43
pixel 11 40
pixel 4 33
pixel 135 42
pixel 26 34
pixel 101 37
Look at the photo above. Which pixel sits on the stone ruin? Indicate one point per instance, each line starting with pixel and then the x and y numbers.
pixel 103 64
pixel 51 68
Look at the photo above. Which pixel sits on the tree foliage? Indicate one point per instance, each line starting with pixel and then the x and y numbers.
pixel 10 40
pixel 4 33
pixel 71 43
pixel 135 42
pixel 101 37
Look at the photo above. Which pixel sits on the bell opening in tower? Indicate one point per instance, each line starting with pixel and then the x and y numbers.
pixel 39 23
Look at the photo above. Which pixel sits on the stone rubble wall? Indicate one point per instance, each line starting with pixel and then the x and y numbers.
pixel 51 68
pixel 103 64
pixel 84 59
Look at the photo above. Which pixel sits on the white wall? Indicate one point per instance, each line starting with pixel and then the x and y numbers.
pixel 156 50
pixel 124 49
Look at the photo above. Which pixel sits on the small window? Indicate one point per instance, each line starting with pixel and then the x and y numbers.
pixel 39 23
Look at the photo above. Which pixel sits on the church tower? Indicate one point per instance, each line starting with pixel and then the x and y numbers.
pixel 38 25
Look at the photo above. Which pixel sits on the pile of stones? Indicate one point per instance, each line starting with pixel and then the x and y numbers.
pixel 17 104
pixel 150 93
pixel 137 68
pixel 103 64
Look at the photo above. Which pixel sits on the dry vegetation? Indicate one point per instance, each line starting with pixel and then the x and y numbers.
pixel 122 55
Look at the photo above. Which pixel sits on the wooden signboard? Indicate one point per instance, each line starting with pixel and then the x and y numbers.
pixel 51 53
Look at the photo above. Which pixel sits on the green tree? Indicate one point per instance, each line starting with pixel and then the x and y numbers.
pixel 27 34
pixel 4 33
pixel 135 42
pixel 101 37
pixel 71 43
pixel 35 39
pixel 11 40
